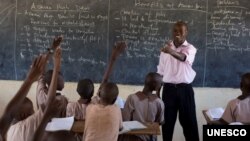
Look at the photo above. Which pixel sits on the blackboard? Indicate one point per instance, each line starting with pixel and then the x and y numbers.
pixel 219 29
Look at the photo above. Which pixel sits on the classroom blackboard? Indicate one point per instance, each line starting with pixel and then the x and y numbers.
pixel 219 29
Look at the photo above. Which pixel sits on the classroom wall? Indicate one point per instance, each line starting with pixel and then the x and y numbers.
pixel 205 98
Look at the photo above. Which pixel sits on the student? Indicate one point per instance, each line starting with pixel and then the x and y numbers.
pixel 17 101
pixel 238 110
pixel 144 106
pixel 26 121
pixel 117 50
pixel 45 79
pixel 52 110
pixel 104 119
pixel 175 65
pixel 85 88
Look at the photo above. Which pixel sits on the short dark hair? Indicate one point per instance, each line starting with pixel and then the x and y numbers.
pixel 109 92
pixel 48 76
pixel 181 23
pixel 152 76
pixel 85 88
pixel 245 82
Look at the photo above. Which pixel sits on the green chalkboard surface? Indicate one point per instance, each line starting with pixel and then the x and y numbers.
pixel 219 29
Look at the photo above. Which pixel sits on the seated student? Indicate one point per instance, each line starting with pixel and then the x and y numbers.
pixel 144 106
pixel 17 101
pixel 45 79
pixel 26 121
pixel 43 84
pixel 103 120
pixel 55 106
pixel 238 110
pixel 85 88
pixel 117 50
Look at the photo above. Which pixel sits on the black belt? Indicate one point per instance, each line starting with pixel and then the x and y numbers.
pixel 176 85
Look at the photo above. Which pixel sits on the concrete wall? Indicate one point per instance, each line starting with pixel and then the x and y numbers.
pixel 205 98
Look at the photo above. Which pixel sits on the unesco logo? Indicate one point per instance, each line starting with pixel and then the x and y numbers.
pixel 226 132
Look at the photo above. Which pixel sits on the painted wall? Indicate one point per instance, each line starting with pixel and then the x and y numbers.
pixel 205 98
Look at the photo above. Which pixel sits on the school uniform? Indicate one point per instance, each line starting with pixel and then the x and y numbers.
pixel 237 111
pixel 178 94
pixel 76 109
pixel 119 101
pixel 102 123
pixel 24 130
pixel 143 108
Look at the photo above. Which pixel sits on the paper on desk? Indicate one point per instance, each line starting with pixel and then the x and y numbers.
pixel 131 125
pixel 58 124
pixel 215 113
pixel 120 102
pixel 236 123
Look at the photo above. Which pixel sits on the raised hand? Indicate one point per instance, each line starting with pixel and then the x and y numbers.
pixel 118 49
pixel 57 58
pixel 57 41
pixel 37 68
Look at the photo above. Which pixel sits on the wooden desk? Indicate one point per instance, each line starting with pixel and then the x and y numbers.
pixel 152 129
pixel 209 121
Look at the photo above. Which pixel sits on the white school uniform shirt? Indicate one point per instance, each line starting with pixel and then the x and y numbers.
pixel 237 111
pixel 175 71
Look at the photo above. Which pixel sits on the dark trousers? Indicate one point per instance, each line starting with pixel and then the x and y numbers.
pixel 179 97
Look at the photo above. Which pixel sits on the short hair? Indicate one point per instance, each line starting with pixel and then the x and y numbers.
pixel 48 76
pixel 85 88
pixel 152 76
pixel 109 92
pixel 63 105
pixel 245 82
pixel 59 136
pixel 181 23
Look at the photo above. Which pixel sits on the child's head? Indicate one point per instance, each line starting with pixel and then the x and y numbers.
pixel 108 93
pixel 245 84
pixel 60 80
pixel 153 81
pixel 25 110
pixel 85 88
pixel 179 32
pixel 63 105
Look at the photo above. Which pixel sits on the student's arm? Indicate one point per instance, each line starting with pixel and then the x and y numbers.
pixel 178 55
pixel 52 105
pixel 50 112
pixel 117 50
pixel 56 70
pixel 42 89
pixel 160 113
pixel 228 115
pixel 13 106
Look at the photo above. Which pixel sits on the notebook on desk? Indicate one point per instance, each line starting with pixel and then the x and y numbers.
pixel 213 115
pixel 59 124
pixel 131 125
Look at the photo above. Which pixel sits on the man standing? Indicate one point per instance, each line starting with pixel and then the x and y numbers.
pixel 175 66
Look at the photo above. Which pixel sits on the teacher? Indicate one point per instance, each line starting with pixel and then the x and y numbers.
pixel 175 65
